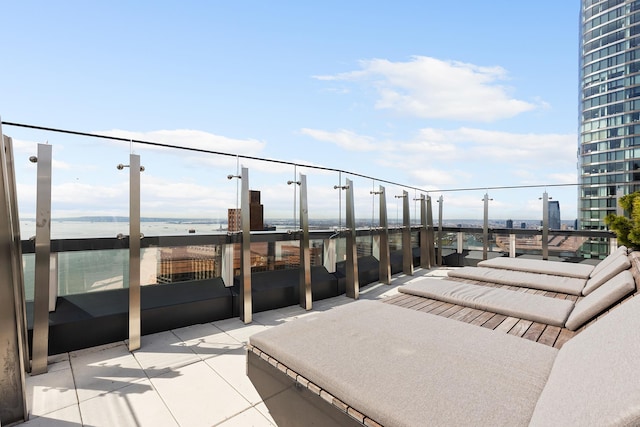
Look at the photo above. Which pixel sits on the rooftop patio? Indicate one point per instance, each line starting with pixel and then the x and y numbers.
pixel 192 376
pixel 101 321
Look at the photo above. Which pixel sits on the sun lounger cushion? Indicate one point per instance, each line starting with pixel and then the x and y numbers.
pixel 569 269
pixel 546 282
pixel 595 380
pixel 615 266
pixel 602 298
pixel 538 308
pixel 622 250
pixel 402 367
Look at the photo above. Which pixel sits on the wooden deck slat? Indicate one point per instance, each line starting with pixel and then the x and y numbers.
pixel 563 337
pixel 534 331
pixel 507 324
pixel 494 321
pixel 482 318
pixel 520 328
pixel 549 335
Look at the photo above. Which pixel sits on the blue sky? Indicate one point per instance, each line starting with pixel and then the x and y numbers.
pixel 436 95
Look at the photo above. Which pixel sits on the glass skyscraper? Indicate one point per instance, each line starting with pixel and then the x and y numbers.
pixel 609 146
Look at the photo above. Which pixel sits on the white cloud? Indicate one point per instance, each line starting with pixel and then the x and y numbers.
pixel 437 89
pixel 196 139
pixel 343 138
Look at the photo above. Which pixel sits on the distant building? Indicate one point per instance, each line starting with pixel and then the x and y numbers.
pixel 554 215
pixel 523 225
pixel 256 215
pixel 185 263
pixel 509 223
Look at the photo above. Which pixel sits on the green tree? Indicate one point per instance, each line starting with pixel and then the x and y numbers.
pixel 627 228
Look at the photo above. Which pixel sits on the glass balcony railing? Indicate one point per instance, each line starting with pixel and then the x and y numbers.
pixel 191 232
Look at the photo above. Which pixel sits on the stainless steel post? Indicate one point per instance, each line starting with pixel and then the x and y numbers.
pixel 430 233
pixel 407 253
pixel 485 227
pixel 18 275
pixel 43 262
pixel 246 306
pixel 425 262
pixel 13 404
pixel 385 259
pixel 134 253
pixel 352 285
pixel 440 203
pixel 545 225
pixel 306 298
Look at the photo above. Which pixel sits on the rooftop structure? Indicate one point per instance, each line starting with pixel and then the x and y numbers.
pixel 609 111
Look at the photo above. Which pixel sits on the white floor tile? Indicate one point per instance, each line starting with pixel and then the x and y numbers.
pixel 136 405
pixel 197 396
pixel 159 353
pixel 238 330
pixel 65 417
pixel 249 418
pixel 232 367
pixel 51 391
pixel 100 370
pixel 207 340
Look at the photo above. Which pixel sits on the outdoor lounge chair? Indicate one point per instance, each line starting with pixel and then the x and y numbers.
pixel 370 363
pixel 534 277
pixel 555 268
pixel 537 308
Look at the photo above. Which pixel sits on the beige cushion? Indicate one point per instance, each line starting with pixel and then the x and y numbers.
pixel 622 250
pixel 595 380
pixel 546 282
pixel 402 367
pixel 569 269
pixel 602 298
pixel 551 311
pixel 614 266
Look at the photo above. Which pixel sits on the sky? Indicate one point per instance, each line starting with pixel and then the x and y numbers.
pixel 432 95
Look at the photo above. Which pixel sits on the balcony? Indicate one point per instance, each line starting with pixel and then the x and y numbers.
pixel 114 318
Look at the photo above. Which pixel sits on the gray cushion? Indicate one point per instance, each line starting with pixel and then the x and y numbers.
pixel 569 269
pixel 546 282
pixel 615 266
pixel 622 250
pixel 595 380
pixel 551 311
pixel 602 298
pixel 402 367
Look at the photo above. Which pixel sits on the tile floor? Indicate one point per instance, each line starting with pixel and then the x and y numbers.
pixel 192 376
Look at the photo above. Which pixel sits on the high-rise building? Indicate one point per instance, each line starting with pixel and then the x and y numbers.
pixel 256 214
pixel 554 215
pixel 609 145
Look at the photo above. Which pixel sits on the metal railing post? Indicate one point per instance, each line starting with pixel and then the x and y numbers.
pixel 485 227
pixel 545 225
pixel 43 261
pixel 512 245
pixel 306 297
pixel 440 203
pixel 134 253
pixel 352 285
pixel 425 261
pixel 384 271
pixel 430 233
pixel 407 253
pixel 246 302
pixel 14 356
